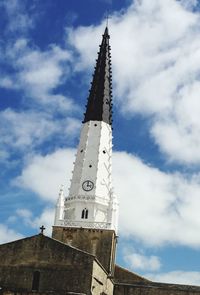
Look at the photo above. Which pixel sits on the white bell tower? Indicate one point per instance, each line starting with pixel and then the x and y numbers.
pixel 91 202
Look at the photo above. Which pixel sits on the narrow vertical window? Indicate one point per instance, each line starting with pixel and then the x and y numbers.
pixel 84 214
pixel 36 281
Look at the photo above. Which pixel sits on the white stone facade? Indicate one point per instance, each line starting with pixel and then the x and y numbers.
pixel 91 202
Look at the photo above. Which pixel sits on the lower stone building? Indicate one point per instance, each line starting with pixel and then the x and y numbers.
pixel 43 265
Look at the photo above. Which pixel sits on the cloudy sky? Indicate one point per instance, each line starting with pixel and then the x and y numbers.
pixel 47 55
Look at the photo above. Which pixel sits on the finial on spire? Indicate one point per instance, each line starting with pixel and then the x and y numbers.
pixel 107 18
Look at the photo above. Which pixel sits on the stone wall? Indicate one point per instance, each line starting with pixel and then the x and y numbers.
pixel 101 243
pixel 12 292
pixel 101 283
pixel 123 275
pixel 129 283
pixel 155 289
pixel 60 267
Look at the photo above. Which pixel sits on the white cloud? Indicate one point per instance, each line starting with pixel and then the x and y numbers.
pixel 25 127
pixel 35 71
pixel 42 70
pixel 72 126
pixel 81 40
pixel 3 155
pixel 156 208
pixel 38 73
pixel 18 19
pixel 176 277
pixel 6 82
pixel 44 113
pixel 25 216
pixel 28 129
pixel 24 213
pixel 156 66
pixel 7 235
pixel 45 174
pixel 46 218
pixel 140 261
pixel 189 4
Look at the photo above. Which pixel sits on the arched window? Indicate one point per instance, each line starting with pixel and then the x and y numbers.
pixel 84 214
pixel 36 281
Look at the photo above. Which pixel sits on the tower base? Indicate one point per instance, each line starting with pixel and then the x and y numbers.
pixel 98 242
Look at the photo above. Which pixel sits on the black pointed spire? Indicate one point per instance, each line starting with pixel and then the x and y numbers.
pixel 99 106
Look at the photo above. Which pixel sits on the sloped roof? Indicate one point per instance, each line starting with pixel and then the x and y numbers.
pixel 124 275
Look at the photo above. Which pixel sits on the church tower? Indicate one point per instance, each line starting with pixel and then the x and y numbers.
pixel 87 218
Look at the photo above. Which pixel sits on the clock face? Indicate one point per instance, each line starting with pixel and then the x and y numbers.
pixel 87 185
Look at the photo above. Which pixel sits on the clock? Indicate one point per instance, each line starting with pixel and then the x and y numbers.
pixel 87 185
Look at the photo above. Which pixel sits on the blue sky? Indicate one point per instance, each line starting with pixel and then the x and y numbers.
pixel 47 55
